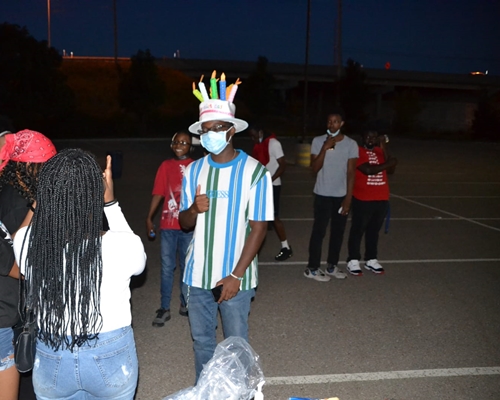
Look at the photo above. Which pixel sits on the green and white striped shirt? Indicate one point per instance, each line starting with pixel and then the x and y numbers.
pixel 239 191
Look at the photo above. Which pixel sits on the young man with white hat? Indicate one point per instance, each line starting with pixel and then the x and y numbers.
pixel 227 199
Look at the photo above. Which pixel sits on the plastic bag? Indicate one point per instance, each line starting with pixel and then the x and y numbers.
pixel 233 373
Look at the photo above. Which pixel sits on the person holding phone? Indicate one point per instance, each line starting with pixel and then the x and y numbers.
pixel 227 199
pixel 77 281
pixel 333 159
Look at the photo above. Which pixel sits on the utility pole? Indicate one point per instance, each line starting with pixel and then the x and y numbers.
pixel 48 23
pixel 115 26
pixel 338 47
pixel 306 69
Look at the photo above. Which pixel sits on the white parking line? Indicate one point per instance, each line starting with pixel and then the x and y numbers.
pixel 451 197
pixel 445 212
pixel 436 218
pixel 380 376
pixel 426 261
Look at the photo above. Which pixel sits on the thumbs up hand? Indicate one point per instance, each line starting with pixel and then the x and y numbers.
pixel 201 202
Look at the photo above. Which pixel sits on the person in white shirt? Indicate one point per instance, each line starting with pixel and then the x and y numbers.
pixel 77 282
pixel 269 152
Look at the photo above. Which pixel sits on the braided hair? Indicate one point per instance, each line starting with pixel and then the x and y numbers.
pixel 22 177
pixel 64 260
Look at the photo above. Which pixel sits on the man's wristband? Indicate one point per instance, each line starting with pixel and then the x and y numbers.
pixel 110 203
pixel 235 277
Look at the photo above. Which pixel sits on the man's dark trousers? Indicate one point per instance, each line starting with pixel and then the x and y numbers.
pixel 367 219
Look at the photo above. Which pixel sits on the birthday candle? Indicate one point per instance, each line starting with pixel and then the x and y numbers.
pixel 213 85
pixel 233 90
pixel 197 93
pixel 222 86
pixel 228 90
pixel 203 89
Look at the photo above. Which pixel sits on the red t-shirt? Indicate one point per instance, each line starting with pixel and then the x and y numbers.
pixel 168 183
pixel 371 187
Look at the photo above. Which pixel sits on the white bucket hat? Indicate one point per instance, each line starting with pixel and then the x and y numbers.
pixel 218 110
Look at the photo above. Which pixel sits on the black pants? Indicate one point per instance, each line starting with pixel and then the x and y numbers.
pixel 326 209
pixel 367 219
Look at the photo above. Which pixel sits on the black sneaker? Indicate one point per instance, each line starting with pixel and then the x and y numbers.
pixel 183 311
pixel 162 315
pixel 284 254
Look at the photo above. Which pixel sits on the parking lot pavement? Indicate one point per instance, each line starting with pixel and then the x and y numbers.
pixel 427 329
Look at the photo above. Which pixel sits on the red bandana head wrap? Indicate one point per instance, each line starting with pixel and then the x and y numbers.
pixel 26 146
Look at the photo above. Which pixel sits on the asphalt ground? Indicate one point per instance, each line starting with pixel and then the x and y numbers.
pixel 429 328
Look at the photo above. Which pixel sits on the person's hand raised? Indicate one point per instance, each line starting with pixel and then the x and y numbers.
pixel 109 194
pixel 201 202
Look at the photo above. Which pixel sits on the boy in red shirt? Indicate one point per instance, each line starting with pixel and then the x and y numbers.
pixel 174 241
pixel 370 201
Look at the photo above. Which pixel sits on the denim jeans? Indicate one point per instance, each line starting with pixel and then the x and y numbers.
pixel 174 242
pixel 106 369
pixel 203 320
pixel 367 220
pixel 326 209
pixel 6 348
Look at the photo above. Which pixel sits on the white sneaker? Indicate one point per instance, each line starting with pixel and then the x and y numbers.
pixel 374 266
pixel 335 271
pixel 353 268
pixel 317 275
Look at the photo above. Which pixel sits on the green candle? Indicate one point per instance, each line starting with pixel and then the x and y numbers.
pixel 213 85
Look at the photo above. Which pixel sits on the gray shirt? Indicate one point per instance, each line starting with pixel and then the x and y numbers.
pixel 331 180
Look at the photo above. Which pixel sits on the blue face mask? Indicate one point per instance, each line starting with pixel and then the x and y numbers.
pixel 214 142
pixel 332 134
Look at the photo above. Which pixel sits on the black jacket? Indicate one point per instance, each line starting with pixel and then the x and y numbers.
pixel 13 210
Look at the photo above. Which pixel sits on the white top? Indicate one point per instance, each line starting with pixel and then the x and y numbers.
pixel 275 153
pixel 122 257
pixel 239 191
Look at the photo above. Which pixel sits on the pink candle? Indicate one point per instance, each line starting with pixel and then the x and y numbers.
pixel 233 90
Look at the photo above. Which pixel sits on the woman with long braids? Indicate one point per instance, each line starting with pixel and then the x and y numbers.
pixel 77 282
pixel 21 156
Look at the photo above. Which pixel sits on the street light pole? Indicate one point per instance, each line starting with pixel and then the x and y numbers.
pixel 115 24
pixel 48 22
pixel 306 69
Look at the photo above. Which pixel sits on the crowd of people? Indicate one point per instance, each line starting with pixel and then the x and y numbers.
pixel 65 239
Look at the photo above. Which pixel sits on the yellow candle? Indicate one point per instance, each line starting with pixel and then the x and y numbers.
pixel 228 90
pixel 197 93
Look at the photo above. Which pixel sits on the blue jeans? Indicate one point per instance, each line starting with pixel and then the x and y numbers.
pixel 6 348
pixel 173 242
pixel 106 369
pixel 203 320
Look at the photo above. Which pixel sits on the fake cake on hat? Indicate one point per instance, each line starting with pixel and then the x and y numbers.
pixel 215 107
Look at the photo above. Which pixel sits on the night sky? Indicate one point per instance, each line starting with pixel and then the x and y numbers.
pixel 451 36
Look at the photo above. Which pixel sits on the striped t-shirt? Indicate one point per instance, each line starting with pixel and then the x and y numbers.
pixel 239 191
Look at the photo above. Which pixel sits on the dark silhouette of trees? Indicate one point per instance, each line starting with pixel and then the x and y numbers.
pixel 354 94
pixel 258 91
pixel 407 107
pixel 141 90
pixel 33 90
pixel 486 124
